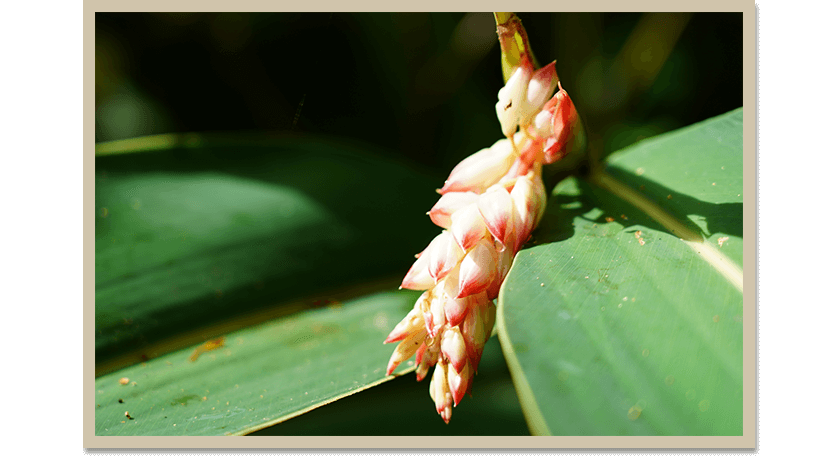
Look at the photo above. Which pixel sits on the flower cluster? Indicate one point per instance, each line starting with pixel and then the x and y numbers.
pixel 489 206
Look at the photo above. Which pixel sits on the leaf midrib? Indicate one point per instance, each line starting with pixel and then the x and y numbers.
pixel 719 262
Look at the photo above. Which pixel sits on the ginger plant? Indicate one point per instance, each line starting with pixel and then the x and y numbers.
pixel 489 206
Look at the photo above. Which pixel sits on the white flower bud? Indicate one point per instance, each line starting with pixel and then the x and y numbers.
pixel 511 98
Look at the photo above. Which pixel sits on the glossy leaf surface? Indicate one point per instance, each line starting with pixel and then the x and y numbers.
pixel 259 376
pixel 197 231
pixel 612 324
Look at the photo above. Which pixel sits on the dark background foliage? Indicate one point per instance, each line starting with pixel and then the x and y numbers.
pixel 421 85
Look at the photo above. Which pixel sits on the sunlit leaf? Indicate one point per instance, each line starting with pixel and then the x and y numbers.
pixel 258 376
pixel 403 407
pixel 612 324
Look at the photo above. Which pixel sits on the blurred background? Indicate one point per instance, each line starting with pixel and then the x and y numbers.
pixel 417 88
pixel 421 85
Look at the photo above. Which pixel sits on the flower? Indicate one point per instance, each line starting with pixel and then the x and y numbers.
pixel 461 272
pixel 478 171
pixel 524 95
pixel 489 206
pixel 511 97
pixel 560 125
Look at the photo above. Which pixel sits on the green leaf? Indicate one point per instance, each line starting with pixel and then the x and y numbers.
pixel 261 376
pixel 403 407
pixel 199 231
pixel 625 315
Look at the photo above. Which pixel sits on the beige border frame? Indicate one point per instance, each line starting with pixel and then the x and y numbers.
pixel 748 440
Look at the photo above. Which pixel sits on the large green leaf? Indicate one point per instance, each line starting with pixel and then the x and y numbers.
pixel 625 316
pixel 201 231
pixel 262 375
pixel 403 407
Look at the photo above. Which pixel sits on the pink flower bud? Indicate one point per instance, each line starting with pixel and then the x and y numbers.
pixel 428 359
pixel 420 353
pixel 456 308
pixel 413 322
pixel 446 413
pixel 434 313
pixel 444 254
pixel 453 347
pixel 504 262
pixel 405 349
pixel 496 209
pixel 566 126
pixel 523 196
pixel 440 392
pixel 459 382
pixel 477 269
pixel 540 88
pixel 449 204
pixel 468 226
pixel 480 170
pixel 476 329
pixel 421 372
pixel 418 277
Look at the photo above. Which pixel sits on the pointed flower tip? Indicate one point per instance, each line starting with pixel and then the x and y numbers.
pixel 459 394
pixel 480 170
pixel 458 382
pixel 446 414
pixel 548 74
pixel 449 204
pixel 393 337
pixel 471 288
pixel 418 277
